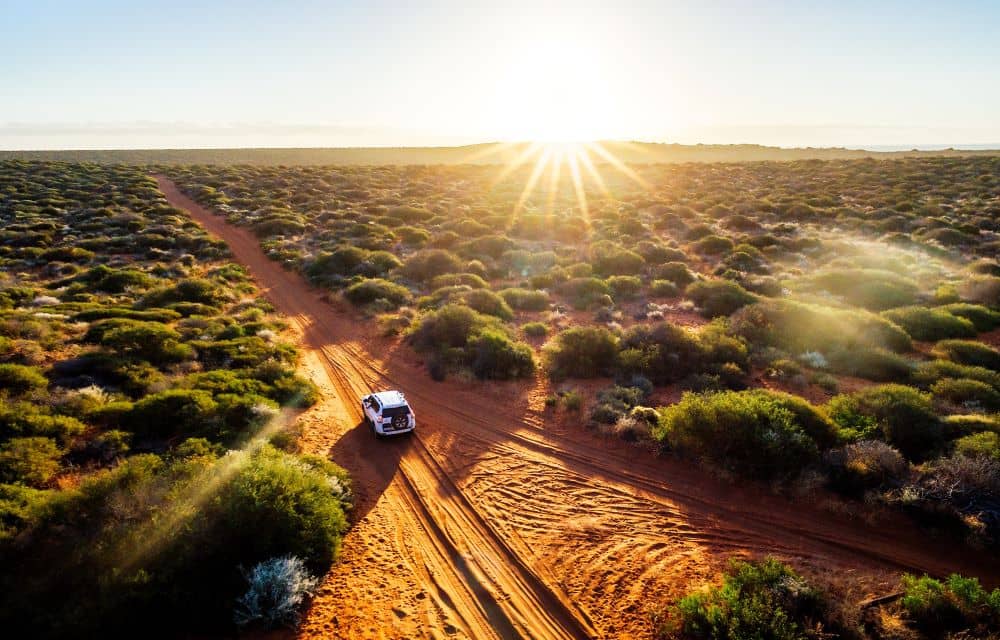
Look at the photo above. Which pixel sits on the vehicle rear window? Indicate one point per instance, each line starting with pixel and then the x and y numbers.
pixel 392 412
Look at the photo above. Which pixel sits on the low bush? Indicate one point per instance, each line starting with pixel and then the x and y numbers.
pixel 764 599
pixel 756 434
pixel 614 403
pixel 872 289
pixel 197 290
pixel 31 461
pixel 930 324
pixel 927 373
pixel 956 604
pixel 718 297
pixel 459 279
pixel 663 289
pixel 983 290
pixel 427 264
pixel 277 589
pixel 487 302
pixel 863 466
pixel 969 395
pixel 968 352
pixel 897 414
pixel 526 299
pixel 798 328
pixel 875 364
pixel 676 272
pixel 173 412
pixel 535 329
pixel 585 293
pixel 581 352
pixel 17 379
pixel 369 290
pixel 985 443
pixel 624 287
pixel 496 357
pixel 982 318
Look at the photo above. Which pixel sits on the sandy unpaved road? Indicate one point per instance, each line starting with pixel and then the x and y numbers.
pixel 492 523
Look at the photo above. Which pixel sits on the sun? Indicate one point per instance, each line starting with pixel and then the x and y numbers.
pixel 551 91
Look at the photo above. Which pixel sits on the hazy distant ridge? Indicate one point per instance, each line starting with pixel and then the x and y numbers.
pixel 487 153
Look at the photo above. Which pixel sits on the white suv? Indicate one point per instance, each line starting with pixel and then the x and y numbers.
pixel 388 413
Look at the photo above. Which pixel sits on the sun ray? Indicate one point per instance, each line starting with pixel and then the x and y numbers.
pixel 588 164
pixel 530 151
pixel 486 152
pixel 536 174
pixel 618 164
pixel 559 156
pixel 581 193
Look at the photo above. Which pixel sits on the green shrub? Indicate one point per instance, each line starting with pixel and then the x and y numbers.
pixel 150 341
pixel 718 297
pixel 450 326
pixel 985 443
pixel 584 293
pixel 487 302
pixel 342 261
pixel 526 299
pixel 984 290
pixel 614 261
pixel 872 364
pixel 173 412
pixel 425 265
pixel 26 419
pixel 197 290
pixel 900 415
pixel 798 328
pixel 968 352
pixel 662 352
pixel 954 605
pixel 581 352
pixel 31 461
pixel 713 245
pixel 535 329
pixel 763 599
pixel 496 357
pixel 614 403
pixel 150 315
pixel 757 434
pixel 676 272
pixel 927 373
pixel 982 318
pixel 372 289
pixel 970 394
pixel 17 379
pixel 624 287
pixel 863 466
pixel 930 324
pixel 872 289
pixel 663 289
pixel 456 279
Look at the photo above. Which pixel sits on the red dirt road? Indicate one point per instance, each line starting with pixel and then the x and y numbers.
pixel 493 521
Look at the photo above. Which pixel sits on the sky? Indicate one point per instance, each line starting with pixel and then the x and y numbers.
pixel 155 74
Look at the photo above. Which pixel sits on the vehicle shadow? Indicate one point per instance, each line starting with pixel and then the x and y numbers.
pixel 372 462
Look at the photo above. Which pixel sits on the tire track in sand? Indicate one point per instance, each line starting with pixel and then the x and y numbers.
pixel 477 584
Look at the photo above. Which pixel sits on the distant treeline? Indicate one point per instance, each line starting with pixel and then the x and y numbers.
pixel 487 153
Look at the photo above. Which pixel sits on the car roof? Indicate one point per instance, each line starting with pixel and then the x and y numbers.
pixel 390 398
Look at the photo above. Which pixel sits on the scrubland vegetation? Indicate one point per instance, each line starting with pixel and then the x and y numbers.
pixel 768 599
pixel 141 380
pixel 846 332
pixel 876 276
pixel 830 324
